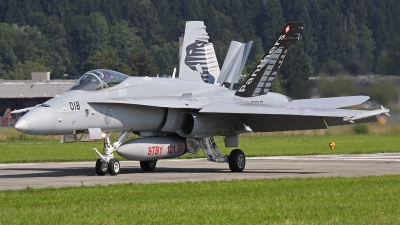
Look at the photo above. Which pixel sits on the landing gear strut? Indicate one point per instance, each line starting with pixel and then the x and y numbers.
pixel 107 162
pixel 236 160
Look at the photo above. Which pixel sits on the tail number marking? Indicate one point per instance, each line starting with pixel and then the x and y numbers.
pixel 74 105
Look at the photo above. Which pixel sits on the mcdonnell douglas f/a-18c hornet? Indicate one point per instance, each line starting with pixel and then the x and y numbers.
pixel 177 116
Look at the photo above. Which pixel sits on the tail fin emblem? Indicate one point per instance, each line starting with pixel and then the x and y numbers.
pixel 198 61
pixel 261 77
pixel 287 29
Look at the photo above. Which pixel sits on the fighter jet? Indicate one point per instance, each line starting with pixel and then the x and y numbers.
pixel 173 117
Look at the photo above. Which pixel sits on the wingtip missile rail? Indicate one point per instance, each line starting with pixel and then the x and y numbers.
pixel 367 114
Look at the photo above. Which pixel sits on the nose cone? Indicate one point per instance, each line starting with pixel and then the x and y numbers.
pixel 39 121
pixel 21 125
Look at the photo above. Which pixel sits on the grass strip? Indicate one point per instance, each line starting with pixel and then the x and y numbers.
pixel 363 200
pixel 252 145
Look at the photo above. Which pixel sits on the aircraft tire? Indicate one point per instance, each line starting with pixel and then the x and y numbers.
pixel 100 171
pixel 237 160
pixel 148 165
pixel 114 167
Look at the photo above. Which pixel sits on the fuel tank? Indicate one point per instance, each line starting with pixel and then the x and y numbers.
pixel 153 148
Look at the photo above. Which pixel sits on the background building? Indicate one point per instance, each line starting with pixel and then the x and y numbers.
pixel 18 94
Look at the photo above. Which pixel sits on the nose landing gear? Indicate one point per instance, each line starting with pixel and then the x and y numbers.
pixel 101 167
pixel 107 162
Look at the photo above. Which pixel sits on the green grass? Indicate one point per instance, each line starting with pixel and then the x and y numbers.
pixel 253 145
pixel 365 200
pixel 319 145
pixel 18 148
pixel 47 151
pixel 50 150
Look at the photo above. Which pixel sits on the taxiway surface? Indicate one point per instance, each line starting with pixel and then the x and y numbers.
pixel 40 175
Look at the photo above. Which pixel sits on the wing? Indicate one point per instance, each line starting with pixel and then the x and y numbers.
pixel 268 118
pixel 332 103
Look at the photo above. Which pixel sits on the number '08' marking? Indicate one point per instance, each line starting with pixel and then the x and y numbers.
pixel 74 105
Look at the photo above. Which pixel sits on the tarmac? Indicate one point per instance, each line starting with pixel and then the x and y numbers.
pixel 42 175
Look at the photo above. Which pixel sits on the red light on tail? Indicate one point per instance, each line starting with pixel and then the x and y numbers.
pixel 287 28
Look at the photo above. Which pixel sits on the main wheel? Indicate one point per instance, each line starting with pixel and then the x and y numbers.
pixel 113 167
pixel 148 165
pixel 101 167
pixel 237 160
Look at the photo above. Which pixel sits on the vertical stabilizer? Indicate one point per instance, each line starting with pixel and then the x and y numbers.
pixel 198 60
pixel 260 79
pixel 234 63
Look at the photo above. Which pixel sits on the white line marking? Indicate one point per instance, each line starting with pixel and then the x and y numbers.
pixel 395 157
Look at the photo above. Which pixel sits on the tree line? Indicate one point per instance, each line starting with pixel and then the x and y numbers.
pixel 140 37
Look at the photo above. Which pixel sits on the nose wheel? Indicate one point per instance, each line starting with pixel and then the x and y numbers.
pixel 113 167
pixel 101 167
pixel 107 162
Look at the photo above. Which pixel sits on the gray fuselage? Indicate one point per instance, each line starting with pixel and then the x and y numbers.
pixel 139 104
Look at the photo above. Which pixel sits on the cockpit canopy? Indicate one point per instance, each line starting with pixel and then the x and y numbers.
pixel 98 79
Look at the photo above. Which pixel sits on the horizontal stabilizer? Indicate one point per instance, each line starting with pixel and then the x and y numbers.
pixel 330 103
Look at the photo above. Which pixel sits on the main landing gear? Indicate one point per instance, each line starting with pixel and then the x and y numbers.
pixel 107 162
pixel 148 165
pixel 236 159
